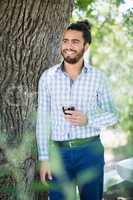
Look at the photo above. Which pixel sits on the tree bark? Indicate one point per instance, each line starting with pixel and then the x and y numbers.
pixel 30 33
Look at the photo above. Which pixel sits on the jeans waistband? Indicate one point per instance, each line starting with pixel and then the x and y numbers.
pixel 76 142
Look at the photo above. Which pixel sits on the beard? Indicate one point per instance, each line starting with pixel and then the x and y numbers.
pixel 75 59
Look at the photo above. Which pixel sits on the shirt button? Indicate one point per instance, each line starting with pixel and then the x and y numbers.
pixel 68 135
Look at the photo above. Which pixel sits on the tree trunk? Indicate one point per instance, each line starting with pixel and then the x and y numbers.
pixel 30 32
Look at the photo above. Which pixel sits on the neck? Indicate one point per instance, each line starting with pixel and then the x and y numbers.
pixel 73 70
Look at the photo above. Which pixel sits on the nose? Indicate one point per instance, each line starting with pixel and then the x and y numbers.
pixel 69 46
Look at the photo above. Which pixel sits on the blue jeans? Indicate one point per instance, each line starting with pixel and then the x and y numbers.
pixel 82 167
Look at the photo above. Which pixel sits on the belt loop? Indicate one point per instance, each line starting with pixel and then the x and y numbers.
pixel 70 143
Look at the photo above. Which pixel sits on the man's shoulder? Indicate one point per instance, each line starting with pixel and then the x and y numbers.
pixel 49 72
pixel 52 69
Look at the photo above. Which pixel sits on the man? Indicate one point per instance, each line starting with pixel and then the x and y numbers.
pixel 76 99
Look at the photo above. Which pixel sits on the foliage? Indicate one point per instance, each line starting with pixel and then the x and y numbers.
pixel 82 4
pixel 128 22
pixel 15 166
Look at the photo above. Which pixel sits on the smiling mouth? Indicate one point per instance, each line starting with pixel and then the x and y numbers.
pixel 69 52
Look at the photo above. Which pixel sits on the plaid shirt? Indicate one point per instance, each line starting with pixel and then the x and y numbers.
pixel 89 93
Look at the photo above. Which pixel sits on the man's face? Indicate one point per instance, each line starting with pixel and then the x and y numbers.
pixel 73 46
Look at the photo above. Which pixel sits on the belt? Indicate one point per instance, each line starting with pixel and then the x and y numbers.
pixel 76 142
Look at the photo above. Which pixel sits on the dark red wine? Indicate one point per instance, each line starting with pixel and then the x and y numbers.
pixel 64 108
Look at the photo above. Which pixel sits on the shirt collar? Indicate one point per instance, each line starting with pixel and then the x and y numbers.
pixel 86 68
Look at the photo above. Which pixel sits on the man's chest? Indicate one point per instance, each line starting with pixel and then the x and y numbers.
pixel 82 91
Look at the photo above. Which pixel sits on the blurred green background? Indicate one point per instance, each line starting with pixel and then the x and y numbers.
pixel 111 51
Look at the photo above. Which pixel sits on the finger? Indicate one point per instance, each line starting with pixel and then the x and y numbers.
pixel 73 116
pixel 69 112
pixel 70 119
pixel 77 113
pixel 74 121
pixel 49 175
pixel 43 177
pixel 73 112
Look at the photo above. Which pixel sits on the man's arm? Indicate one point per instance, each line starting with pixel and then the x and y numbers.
pixel 106 114
pixel 43 128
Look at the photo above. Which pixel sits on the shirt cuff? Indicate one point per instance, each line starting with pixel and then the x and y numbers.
pixel 41 158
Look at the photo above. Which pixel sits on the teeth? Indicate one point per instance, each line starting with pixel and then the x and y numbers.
pixel 70 52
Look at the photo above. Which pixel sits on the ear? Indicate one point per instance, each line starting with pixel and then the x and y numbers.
pixel 86 46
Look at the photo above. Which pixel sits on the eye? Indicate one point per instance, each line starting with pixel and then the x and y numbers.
pixel 65 41
pixel 75 41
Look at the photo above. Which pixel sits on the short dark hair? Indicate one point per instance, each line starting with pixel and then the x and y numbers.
pixel 83 26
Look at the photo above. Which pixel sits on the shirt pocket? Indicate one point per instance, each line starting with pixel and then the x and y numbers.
pixel 88 100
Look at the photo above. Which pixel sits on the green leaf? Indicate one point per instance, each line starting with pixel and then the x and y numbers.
pixel 118 2
pixel 83 4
